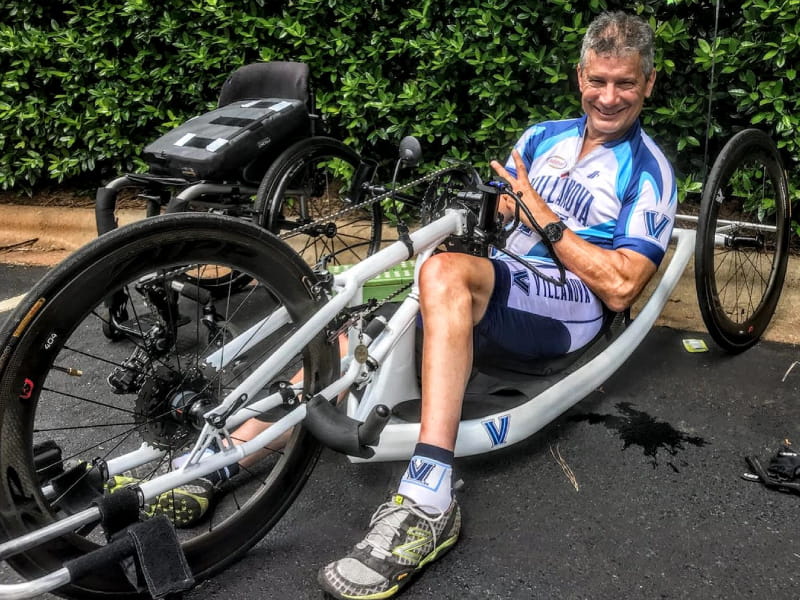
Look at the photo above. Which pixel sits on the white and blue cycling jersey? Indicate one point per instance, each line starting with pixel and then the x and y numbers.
pixel 620 195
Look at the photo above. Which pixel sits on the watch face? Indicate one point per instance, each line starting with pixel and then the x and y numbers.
pixel 554 231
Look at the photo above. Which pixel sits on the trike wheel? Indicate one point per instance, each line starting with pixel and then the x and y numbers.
pixel 742 240
pixel 309 182
pixel 219 280
pixel 87 401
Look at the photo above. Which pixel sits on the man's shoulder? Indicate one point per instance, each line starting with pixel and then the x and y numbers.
pixel 651 163
pixel 544 136
pixel 650 147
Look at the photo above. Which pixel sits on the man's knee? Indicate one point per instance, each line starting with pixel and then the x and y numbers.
pixel 438 269
pixel 453 281
pixel 454 267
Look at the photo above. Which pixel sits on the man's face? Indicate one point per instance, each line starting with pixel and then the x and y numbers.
pixel 613 90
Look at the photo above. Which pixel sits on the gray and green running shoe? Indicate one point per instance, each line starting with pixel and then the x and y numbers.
pixel 402 539
pixel 185 505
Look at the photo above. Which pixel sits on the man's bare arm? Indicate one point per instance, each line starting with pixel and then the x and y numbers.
pixel 616 276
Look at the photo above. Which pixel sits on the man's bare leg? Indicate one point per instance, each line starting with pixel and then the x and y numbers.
pixel 454 293
pixel 423 521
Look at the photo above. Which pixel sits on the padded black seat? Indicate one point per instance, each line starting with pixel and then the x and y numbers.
pixel 278 79
pixel 505 368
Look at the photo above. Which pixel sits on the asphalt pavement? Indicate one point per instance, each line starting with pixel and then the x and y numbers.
pixel 656 507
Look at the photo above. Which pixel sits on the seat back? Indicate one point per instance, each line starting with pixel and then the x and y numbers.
pixel 277 79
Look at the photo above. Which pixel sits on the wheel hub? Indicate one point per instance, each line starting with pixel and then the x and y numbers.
pixel 170 408
pixel 328 230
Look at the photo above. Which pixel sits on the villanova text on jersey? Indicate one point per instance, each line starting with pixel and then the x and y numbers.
pixel 620 195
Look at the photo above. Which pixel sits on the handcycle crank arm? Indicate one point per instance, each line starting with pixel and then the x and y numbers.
pixel 122 547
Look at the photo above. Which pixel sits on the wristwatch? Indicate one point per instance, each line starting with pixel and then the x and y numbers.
pixel 554 231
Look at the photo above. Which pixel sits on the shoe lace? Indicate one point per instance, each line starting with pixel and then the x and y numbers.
pixel 387 519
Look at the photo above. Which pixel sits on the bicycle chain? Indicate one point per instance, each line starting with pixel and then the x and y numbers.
pixel 360 312
pixel 379 198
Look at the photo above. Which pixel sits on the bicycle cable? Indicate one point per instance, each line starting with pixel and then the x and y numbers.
pixel 505 188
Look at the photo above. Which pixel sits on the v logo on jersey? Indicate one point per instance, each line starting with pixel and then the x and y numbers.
pixel 419 470
pixel 520 279
pixel 655 223
pixel 497 429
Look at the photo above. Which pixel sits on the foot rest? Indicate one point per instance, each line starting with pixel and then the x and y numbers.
pixel 156 552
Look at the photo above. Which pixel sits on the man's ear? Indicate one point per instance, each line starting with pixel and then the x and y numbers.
pixel 651 81
pixel 580 79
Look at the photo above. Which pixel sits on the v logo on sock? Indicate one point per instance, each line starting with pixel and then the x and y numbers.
pixel 419 470
pixel 425 473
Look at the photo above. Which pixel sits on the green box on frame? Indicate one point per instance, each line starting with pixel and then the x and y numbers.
pixel 386 283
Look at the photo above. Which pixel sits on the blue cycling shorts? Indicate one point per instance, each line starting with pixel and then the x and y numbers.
pixel 529 317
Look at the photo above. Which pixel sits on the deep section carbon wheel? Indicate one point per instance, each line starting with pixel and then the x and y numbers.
pixel 71 399
pixel 742 240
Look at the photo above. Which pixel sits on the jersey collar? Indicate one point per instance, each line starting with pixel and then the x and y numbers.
pixel 632 132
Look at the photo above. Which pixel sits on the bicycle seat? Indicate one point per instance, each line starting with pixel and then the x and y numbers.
pixel 505 368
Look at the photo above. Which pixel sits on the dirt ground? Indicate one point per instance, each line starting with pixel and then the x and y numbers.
pixel 27 236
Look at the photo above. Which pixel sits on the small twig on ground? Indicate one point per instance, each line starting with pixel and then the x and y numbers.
pixel 565 467
pixel 18 245
pixel 791 366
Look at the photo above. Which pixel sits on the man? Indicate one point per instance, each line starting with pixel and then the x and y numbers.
pixel 605 195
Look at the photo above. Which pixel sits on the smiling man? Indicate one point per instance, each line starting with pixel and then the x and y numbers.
pixel 604 196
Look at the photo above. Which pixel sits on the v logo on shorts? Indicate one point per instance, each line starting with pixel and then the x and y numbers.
pixel 520 279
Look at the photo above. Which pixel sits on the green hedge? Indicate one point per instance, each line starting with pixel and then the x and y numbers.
pixel 86 85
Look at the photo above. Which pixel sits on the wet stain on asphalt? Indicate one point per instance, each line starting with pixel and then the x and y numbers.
pixel 637 428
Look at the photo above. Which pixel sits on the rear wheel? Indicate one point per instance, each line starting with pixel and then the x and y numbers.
pixel 742 240
pixel 312 182
pixel 69 397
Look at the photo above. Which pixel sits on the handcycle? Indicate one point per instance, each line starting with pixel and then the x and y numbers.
pixel 56 406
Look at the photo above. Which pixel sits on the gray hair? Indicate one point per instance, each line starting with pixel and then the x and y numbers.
pixel 619 34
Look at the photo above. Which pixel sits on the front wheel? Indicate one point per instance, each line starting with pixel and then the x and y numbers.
pixel 70 399
pixel 742 240
pixel 312 182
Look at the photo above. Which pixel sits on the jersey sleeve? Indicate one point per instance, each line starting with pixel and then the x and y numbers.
pixel 649 203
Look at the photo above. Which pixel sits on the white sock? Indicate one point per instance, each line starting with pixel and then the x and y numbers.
pixel 428 480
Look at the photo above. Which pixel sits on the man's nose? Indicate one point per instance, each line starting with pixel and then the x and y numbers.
pixel 608 94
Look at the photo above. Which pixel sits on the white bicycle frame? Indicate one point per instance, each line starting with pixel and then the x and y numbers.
pixel 394 380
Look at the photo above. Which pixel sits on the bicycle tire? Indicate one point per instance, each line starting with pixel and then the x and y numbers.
pixel 738 284
pixel 308 182
pixel 57 326
pixel 219 284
